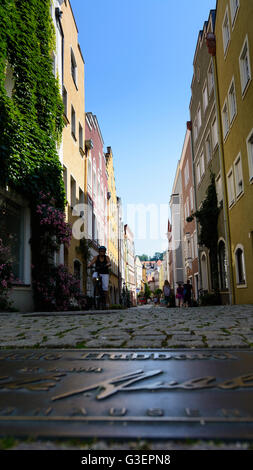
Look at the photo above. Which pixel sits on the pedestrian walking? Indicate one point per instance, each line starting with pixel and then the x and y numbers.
pixel 188 294
pixel 180 294
pixel 166 293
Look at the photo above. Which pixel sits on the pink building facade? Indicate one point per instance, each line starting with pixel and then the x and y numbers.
pixel 96 198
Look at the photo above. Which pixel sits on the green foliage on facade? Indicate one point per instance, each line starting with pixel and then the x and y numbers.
pixel 31 119
pixel 207 217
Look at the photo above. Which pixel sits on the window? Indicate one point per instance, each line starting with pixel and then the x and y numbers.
pixel 199 118
pixel 81 196
pixel 54 63
pixel 89 175
pixel 234 7
pixel 65 179
pixel 238 176
pixel 208 149
pixel 219 189
pixel 73 192
pixel 214 133
pixel 100 162
pixel 185 212
pixel 245 66
pixel 205 97
pixel 198 172
pixel 232 101
pixel 191 199
pixel 13 227
pixel 187 207
pixel 195 129
pixel 65 100
pixel 210 78
pixel 202 164
pixel 250 154
pixel 80 136
pixel 73 122
pixel 94 182
pixel 73 67
pixel 226 31
pixel 225 119
pixel 186 173
pixel 231 188
pixel 240 266
pixel 195 240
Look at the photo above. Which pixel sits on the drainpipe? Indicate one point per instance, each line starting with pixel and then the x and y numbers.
pixel 211 45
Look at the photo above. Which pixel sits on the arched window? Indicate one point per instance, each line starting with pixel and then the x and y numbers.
pixel 240 265
pixel 222 265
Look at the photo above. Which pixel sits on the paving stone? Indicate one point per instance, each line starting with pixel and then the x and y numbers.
pixel 105 343
pixel 142 342
pixel 171 343
pixel 186 338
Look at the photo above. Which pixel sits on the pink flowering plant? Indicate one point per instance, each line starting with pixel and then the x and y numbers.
pixel 6 275
pixel 52 222
pixel 58 290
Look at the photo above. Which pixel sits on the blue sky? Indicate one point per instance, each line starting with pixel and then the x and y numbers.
pixel 138 71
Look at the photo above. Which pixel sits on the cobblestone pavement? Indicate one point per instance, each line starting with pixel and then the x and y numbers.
pixel 141 327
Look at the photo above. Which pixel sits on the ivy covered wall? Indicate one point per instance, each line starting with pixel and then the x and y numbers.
pixel 31 119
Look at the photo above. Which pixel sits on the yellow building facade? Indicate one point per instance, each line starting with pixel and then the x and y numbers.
pixel 234 69
pixel 73 140
pixel 112 224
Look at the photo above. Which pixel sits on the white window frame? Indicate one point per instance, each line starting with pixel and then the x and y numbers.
pixel 89 175
pixel 202 164
pixel 191 199
pixel 210 78
pixel 216 128
pixel 205 96
pixel 249 144
pixel 225 119
pixel 199 118
pixel 245 80
pixel 231 115
pixel 186 173
pixel 198 171
pixel 231 188
pixel 238 283
pixel 234 11
pixel 239 188
pixel 195 129
pixel 208 146
pixel 226 31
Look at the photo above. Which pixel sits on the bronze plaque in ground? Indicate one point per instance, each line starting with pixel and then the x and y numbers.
pixel 128 394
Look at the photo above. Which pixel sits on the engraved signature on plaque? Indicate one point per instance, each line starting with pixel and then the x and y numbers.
pixel 123 383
